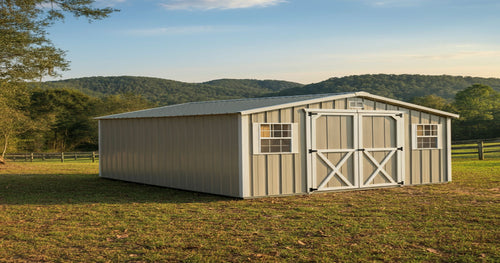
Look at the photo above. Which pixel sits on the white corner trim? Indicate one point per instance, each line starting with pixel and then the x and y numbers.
pixel 99 144
pixel 448 148
pixel 243 155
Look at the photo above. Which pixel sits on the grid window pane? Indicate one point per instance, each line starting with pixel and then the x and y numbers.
pixel 427 136
pixel 434 143
pixel 286 145
pixel 265 145
pixel 265 130
pixel 275 138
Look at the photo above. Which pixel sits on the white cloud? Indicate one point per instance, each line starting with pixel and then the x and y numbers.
pixel 217 4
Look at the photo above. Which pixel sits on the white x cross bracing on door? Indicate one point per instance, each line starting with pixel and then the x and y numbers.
pixel 357 174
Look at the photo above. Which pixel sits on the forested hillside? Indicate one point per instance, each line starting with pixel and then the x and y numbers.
pixel 166 92
pixel 402 87
pixel 59 115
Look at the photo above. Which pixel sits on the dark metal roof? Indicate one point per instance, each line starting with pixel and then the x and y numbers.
pixel 217 107
pixel 247 106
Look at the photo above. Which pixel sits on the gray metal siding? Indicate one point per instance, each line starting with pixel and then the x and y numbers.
pixel 192 153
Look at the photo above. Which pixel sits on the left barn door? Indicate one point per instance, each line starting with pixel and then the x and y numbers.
pixel 333 145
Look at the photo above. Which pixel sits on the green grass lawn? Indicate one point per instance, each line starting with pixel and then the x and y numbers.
pixel 65 212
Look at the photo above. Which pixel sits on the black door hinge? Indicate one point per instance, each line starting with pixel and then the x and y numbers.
pixel 401 183
pixel 312 151
pixel 361 150
pixel 312 113
pixel 313 189
pixel 400 148
pixel 400 115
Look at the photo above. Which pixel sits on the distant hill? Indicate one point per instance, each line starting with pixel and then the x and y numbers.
pixel 402 87
pixel 165 92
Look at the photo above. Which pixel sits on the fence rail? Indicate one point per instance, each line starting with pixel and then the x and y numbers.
pixel 480 147
pixel 62 156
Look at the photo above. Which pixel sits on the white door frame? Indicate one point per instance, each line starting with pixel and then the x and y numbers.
pixel 313 153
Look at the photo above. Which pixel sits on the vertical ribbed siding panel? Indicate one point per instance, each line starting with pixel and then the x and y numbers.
pixel 416 163
pixel 426 154
pixel 273 161
pixel 287 167
pixel 191 153
pixel 435 157
pixel 300 158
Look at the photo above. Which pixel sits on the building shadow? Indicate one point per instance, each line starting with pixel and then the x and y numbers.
pixel 42 189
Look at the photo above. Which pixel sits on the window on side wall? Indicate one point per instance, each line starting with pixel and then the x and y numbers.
pixel 274 138
pixel 427 136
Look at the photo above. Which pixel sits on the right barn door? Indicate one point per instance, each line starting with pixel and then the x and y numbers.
pixel 354 149
pixel 381 148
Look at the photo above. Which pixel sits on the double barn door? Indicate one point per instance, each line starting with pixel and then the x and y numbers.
pixel 354 149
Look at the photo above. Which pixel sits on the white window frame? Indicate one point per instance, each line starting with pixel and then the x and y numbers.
pixel 356 103
pixel 257 139
pixel 438 137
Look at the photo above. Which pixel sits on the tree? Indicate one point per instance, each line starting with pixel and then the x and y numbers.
pixel 433 101
pixel 12 122
pixel 479 109
pixel 27 53
pixel 66 118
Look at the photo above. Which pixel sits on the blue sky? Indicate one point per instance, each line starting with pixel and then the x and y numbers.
pixel 297 40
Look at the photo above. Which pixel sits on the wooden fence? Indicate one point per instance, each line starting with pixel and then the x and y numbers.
pixel 479 147
pixel 30 157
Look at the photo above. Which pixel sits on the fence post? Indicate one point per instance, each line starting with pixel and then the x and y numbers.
pixel 62 157
pixel 93 157
pixel 43 156
pixel 31 157
pixel 480 150
pixel 76 157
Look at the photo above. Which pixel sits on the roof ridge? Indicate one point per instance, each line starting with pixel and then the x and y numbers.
pixel 260 98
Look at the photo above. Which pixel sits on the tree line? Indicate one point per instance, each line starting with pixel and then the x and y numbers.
pixel 58 120
pixel 478 107
pixel 167 92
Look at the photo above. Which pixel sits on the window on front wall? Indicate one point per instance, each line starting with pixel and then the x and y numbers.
pixel 426 136
pixel 273 138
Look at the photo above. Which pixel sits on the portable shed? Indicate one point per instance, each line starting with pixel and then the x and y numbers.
pixel 279 145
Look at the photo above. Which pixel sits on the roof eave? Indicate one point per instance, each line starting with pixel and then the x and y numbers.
pixel 406 104
pixel 297 103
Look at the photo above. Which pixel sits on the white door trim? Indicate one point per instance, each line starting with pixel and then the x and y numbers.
pixel 313 153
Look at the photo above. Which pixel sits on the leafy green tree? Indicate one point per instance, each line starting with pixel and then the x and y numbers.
pixel 433 101
pixel 479 109
pixel 27 53
pixel 66 116
pixel 12 123
pixel 120 103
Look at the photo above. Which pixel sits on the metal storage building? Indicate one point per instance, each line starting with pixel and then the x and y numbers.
pixel 279 145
